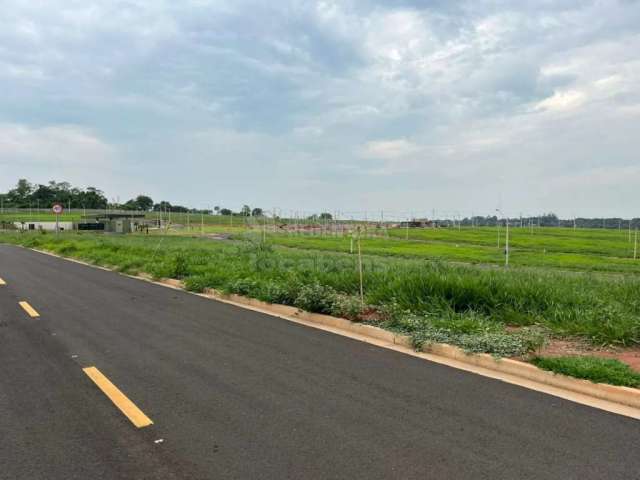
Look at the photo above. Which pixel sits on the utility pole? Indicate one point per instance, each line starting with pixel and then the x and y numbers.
pixel 506 248
pixel 264 229
pixel 506 251
pixel 360 270
pixel 635 246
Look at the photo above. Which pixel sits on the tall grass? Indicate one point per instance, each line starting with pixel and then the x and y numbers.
pixel 606 310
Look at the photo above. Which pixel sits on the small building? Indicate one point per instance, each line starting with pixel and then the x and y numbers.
pixel 113 222
pixel 44 226
pixel 417 223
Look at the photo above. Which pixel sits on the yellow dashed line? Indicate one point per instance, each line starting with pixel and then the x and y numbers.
pixel 29 309
pixel 118 398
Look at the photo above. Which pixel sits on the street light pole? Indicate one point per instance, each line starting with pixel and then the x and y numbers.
pixel 506 259
pixel 506 248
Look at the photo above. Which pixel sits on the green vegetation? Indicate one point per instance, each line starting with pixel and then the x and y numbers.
pixel 473 332
pixel 558 248
pixel 467 305
pixel 598 370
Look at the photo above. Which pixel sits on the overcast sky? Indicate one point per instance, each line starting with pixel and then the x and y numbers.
pixel 403 106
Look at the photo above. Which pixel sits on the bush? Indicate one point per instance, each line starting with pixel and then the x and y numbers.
pixel 316 298
pixel 346 306
pixel 196 283
pixel 180 267
pixel 242 286
pixel 598 370
pixel 274 292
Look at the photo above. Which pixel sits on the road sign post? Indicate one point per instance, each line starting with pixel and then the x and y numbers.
pixel 57 209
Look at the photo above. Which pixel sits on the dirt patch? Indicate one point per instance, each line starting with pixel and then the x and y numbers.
pixel 370 315
pixel 564 348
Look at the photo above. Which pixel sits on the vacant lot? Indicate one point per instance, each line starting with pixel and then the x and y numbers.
pixel 483 309
pixel 557 248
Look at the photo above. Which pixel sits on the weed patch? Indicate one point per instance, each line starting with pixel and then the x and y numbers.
pixel 598 370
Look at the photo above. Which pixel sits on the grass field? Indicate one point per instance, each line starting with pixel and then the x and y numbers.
pixel 434 301
pixel 603 250
pixel 557 248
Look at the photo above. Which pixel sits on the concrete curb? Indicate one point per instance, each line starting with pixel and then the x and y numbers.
pixel 621 400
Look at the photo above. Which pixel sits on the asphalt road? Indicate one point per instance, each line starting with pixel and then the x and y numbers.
pixel 237 394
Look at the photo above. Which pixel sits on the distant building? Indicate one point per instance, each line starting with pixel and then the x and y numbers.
pixel 44 226
pixel 113 222
pixel 417 223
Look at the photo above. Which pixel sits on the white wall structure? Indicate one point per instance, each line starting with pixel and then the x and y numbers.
pixel 48 226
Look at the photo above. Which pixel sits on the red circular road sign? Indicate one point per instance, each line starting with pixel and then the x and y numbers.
pixel 57 209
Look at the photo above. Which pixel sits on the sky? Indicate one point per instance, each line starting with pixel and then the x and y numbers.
pixel 394 106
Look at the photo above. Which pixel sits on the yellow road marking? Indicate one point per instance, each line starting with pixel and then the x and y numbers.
pixel 118 398
pixel 2 282
pixel 29 309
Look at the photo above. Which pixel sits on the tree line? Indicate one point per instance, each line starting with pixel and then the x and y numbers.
pixel 43 196
pixel 31 195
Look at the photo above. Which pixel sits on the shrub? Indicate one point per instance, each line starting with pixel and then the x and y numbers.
pixel 346 306
pixel 196 283
pixel 242 286
pixel 180 266
pixel 316 298
pixel 275 292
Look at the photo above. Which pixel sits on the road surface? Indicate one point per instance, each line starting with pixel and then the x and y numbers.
pixel 235 394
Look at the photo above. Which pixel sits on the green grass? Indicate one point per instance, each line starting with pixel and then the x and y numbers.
pixel 598 370
pixel 426 295
pixel 556 248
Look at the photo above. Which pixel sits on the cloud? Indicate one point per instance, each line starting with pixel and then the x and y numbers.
pixel 325 103
pixel 390 149
pixel 561 101
pixel 65 152
pixel 54 147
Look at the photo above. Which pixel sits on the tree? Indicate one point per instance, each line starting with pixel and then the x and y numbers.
pixel 163 206
pixel 245 211
pixel 92 198
pixel 130 205
pixel 20 195
pixel 141 202
pixel 225 211
pixel 257 212
pixel 217 210
pixel 325 216
pixel 44 196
